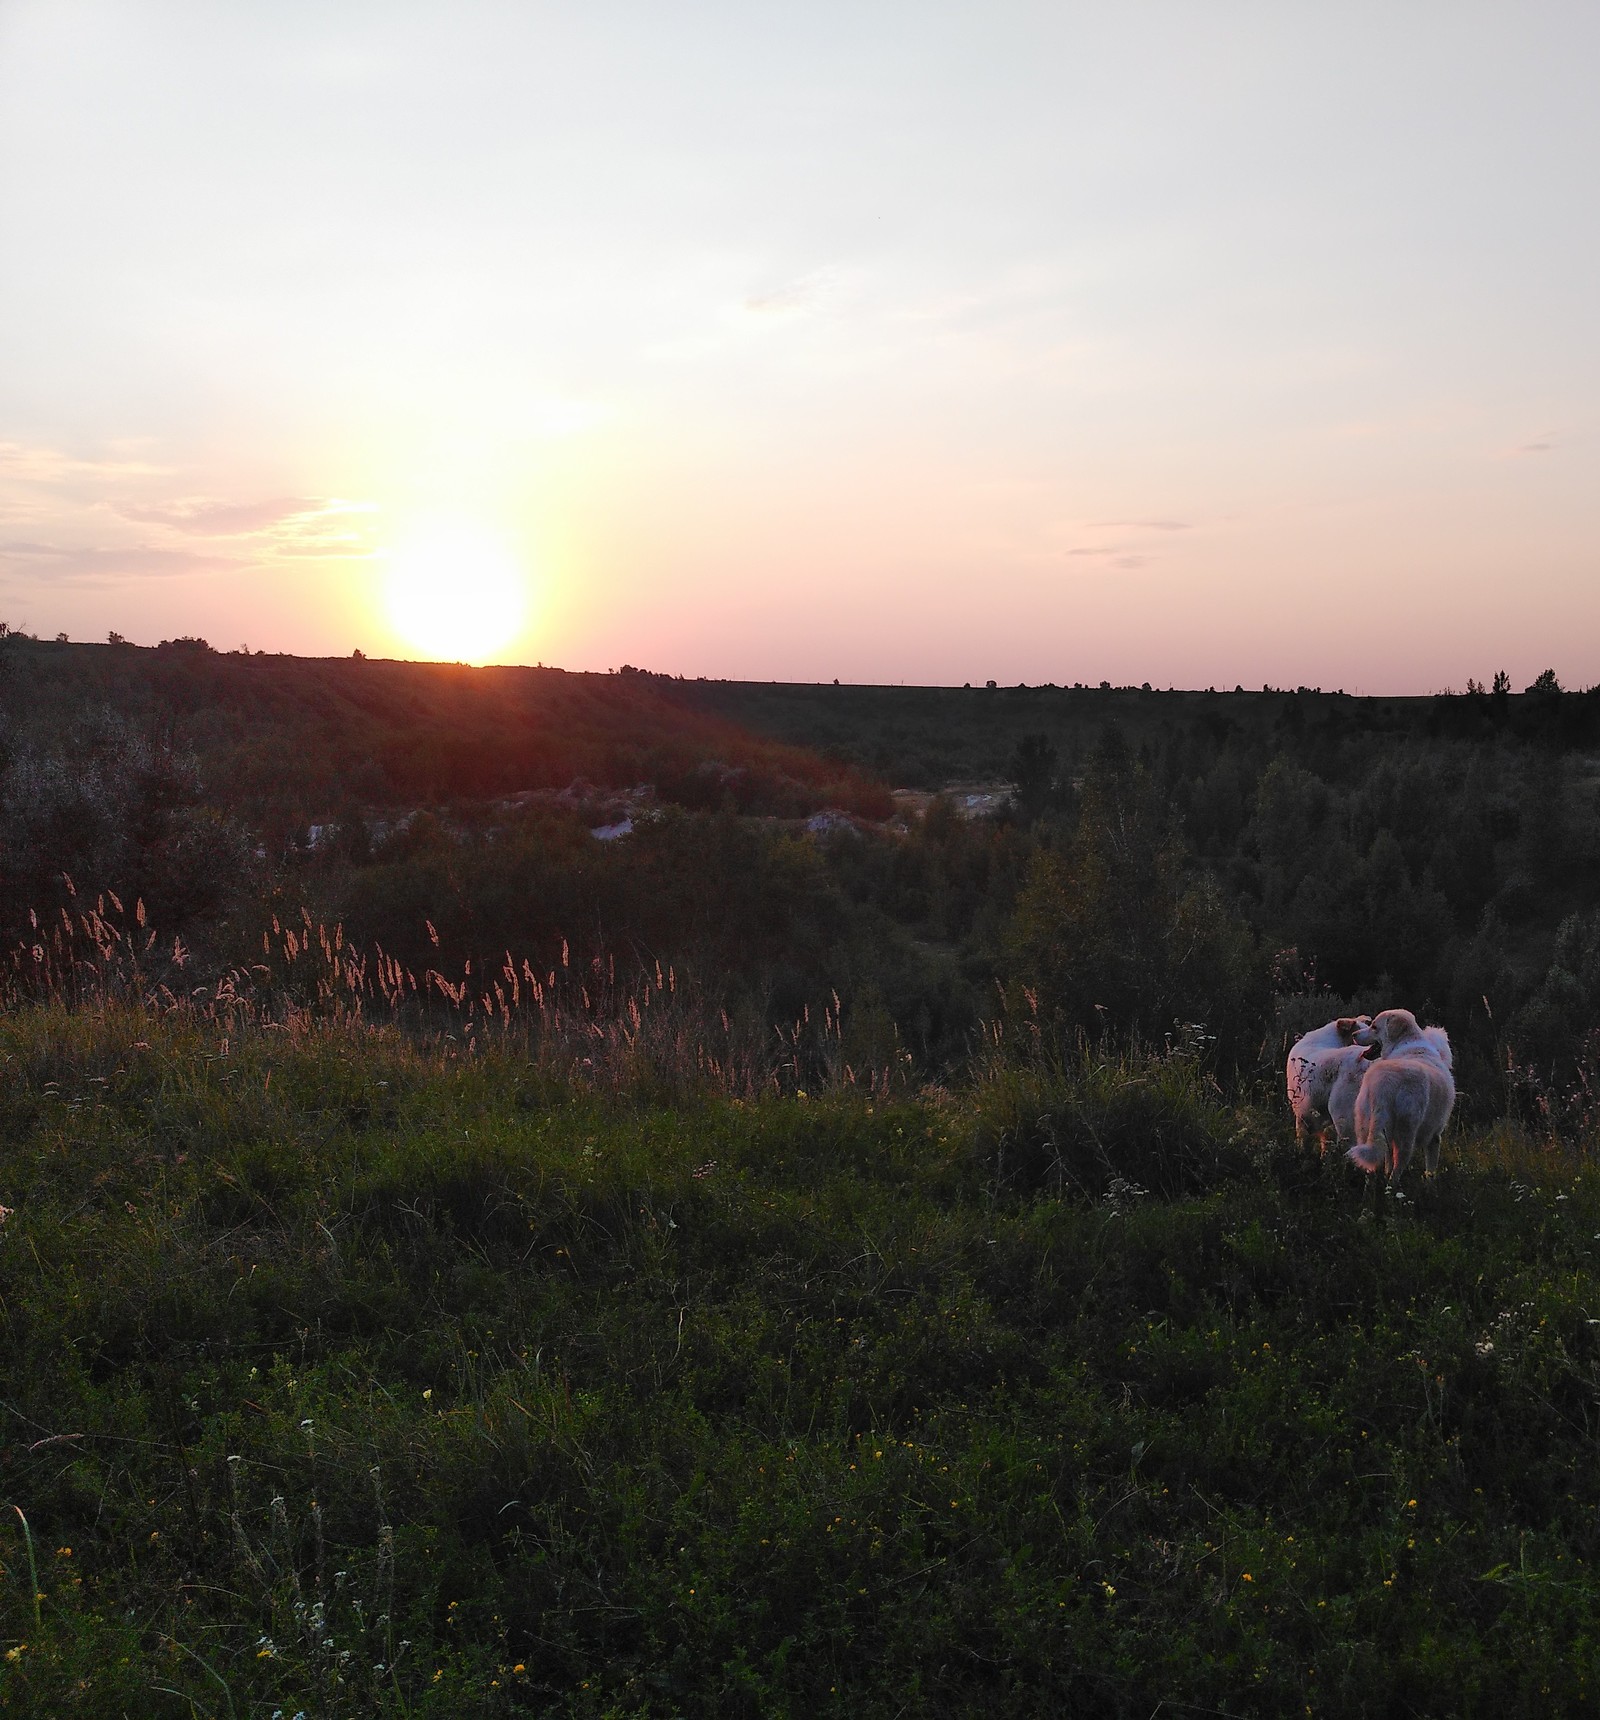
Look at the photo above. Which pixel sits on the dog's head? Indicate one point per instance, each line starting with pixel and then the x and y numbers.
pixel 1350 1029
pixel 1389 1028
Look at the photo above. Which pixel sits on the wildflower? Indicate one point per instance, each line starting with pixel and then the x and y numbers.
pixel 6 1212
pixel 1245 1577
pixel 15 1654
pixel 519 1669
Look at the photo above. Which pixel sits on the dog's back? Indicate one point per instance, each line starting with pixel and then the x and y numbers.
pixel 1402 1100
pixel 1352 1066
pixel 1313 1065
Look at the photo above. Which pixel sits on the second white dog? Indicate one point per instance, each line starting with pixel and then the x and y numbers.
pixel 1316 1060
pixel 1405 1098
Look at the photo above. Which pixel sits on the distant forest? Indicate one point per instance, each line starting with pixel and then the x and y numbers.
pixel 1227 866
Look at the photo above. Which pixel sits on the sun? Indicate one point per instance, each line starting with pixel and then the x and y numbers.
pixel 456 593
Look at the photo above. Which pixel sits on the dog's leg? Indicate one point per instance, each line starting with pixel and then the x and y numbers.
pixel 1402 1144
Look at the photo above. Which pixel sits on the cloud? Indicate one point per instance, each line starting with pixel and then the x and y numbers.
pixel 329 528
pixel 95 564
pixel 237 535
pixel 804 293
pixel 294 526
pixel 1550 442
pixel 30 465
pixel 219 519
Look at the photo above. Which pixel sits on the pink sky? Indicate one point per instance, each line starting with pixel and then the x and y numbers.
pixel 929 344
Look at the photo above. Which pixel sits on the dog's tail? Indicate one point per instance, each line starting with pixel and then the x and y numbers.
pixel 1370 1157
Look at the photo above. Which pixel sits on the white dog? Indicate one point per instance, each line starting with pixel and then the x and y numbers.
pixel 1342 1095
pixel 1316 1060
pixel 1405 1098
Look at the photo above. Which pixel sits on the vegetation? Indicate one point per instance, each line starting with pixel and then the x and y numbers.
pixel 349 1373
pixel 451 1264
pixel 1239 860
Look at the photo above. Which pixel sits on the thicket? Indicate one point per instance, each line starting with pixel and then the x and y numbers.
pixel 1237 864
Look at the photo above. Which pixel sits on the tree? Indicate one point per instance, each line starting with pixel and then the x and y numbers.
pixel 1115 933
pixel 1033 770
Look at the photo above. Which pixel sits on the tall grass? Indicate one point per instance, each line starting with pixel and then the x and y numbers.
pixel 368 1351
pixel 640 1027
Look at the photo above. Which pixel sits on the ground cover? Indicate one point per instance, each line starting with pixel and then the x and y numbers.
pixel 349 1374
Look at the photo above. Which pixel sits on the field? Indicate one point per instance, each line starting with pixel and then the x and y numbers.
pixel 834 1266
pixel 351 1372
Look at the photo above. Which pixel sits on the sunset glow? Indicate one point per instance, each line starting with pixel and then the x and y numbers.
pixel 1036 343
pixel 455 593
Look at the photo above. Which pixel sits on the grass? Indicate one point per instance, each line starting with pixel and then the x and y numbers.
pixel 349 1374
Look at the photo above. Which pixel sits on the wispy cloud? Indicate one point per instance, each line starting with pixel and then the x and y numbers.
pixel 1143 525
pixel 804 293
pixel 21 462
pixel 217 519
pixel 98 564
pixel 330 528
pixel 187 535
pixel 297 526
pixel 1120 551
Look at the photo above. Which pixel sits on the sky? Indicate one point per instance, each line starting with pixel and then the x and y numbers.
pixel 1183 341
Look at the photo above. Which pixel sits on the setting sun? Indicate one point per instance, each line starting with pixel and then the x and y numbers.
pixel 456 593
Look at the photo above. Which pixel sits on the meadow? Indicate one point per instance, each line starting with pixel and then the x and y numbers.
pixel 859 1269
pixel 356 1365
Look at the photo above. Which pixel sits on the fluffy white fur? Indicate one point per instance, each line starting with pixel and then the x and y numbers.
pixel 1353 1067
pixel 1405 1098
pixel 1315 1062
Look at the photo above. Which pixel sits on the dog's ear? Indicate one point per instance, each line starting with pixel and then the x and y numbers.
pixel 1347 1024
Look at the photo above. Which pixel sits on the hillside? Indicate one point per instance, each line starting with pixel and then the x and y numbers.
pixel 290 739
pixel 351 1375
pixel 769 1267
pixel 927 737
pixel 1240 861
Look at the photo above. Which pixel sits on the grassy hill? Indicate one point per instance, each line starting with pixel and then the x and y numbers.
pixel 288 739
pixel 348 1374
pixel 786 1287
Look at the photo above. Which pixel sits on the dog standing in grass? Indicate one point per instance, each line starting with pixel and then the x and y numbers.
pixel 1405 1097
pixel 1316 1060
